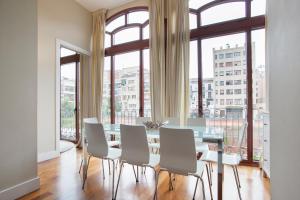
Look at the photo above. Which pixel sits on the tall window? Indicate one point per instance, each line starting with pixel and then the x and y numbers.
pixel 227 76
pixel 127 73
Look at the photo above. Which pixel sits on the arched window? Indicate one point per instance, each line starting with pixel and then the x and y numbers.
pixel 227 76
pixel 126 92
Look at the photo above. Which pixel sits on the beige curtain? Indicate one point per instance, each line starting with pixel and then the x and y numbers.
pixel 85 100
pixel 97 66
pixel 157 59
pixel 177 59
pixel 169 63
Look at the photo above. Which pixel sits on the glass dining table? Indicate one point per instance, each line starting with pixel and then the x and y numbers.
pixel 209 134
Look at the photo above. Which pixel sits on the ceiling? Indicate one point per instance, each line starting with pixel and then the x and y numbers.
pixel 93 5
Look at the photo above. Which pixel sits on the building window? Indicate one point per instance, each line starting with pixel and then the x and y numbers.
pixel 229 91
pixel 229 102
pixel 221 56
pixel 228 64
pixel 237 54
pixel 222 102
pixel 229 82
pixel 228 55
pixel 237 63
pixel 237 82
pixel 237 72
pixel 221 73
pixel 237 91
pixel 221 83
pixel 221 92
pixel 229 73
pixel 221 64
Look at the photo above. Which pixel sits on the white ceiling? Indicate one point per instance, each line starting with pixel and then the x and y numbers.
pixel 93 5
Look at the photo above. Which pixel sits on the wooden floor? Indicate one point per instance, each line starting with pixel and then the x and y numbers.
pixel 60 180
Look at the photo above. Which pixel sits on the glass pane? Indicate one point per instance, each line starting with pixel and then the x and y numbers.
pixel 127 87
pixel 68 102
pixel 120 21
pixel 146 32
pixel 193 21
pixel 195 4
pixel 138 17
pixel 107 41
pixel 259 90
pixel 223 12
pixel 147 97
pixel 66 52
pixel 258 7
pixel 127 35
pixel 224 86
pixel 193 79
pixel 106 110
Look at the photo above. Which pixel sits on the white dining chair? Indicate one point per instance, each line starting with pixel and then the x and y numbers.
pixel 110 143
pixel 173 121
pixel 135 150
pixel 97 147
pixel 178 155
pixel 232 159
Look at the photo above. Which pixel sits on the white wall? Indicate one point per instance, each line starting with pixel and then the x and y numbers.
pixel 68 21
pixel 18 89
pixel 283 53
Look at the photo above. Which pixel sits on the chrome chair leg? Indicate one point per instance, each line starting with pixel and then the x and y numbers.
pixel 80 166
pixel 156 184
pixel 120 171
pixel 203 189
pixel 195 188
pixel 108 167
pixel 113 180
pixel 236 181
pixel 209 181
pixel 103 169
pixel 137 173
pixel 136 179
pixel 238 177
pixel 85 176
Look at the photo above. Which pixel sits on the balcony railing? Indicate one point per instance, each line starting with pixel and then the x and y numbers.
pixel 231 123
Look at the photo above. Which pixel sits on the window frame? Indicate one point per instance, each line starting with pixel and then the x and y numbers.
pixel 137 45
pixel 241 25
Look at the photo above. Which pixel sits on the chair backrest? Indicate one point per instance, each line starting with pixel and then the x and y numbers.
pixel 196 121
pixel 177 150
pixel 242 135
pixel 141 120
pixel 173 121
pixel 97 144
pixel 135 149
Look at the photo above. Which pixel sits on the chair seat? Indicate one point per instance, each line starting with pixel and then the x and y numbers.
pixel 154 160
pixel 228 159
pixel 113 153
pixel 113 143
pixel 202 147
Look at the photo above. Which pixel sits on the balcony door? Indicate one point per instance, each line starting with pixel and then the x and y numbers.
pixel 69 120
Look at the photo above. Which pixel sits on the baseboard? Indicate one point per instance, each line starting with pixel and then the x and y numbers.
pixel 47 155
pixel 20 189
